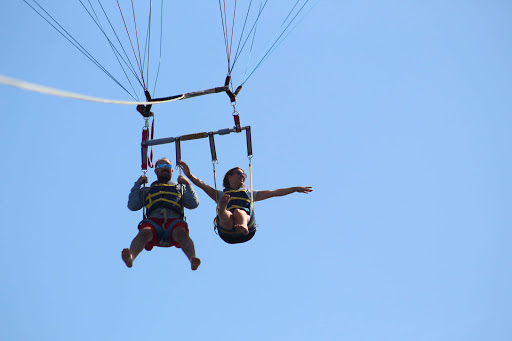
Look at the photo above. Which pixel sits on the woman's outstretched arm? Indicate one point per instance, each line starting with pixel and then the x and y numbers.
pixel 262 195
pixel 198 182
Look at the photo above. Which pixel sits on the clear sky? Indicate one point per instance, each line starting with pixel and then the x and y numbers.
pixel 398 113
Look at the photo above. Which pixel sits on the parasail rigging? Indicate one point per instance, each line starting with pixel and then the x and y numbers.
pixel 132 28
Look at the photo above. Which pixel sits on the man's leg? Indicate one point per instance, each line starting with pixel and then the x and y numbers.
pixel 144 236
pixel 180 235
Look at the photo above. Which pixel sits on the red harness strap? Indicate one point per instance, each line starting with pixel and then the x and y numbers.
pixel 147 134
pixel 238 128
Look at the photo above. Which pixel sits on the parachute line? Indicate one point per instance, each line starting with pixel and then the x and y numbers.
pixel 250 51
pixel 247 38
pixel 131 43
pixel 148 40
pixel 243 28
pixel 250 32
pixel 145 59
pixel 74 42
pixel 138 45
pixel 280 38
pixel 160 53
pixel 232 30
pixel 117 55
pixel 224 32
pixel 126 61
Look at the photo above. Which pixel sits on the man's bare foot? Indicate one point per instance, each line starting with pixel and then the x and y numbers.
pixel 223 203
pixel 242 228
pixel 127 257
pixel 194 263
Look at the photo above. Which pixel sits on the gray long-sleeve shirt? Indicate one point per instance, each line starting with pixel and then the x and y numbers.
pixel 138 194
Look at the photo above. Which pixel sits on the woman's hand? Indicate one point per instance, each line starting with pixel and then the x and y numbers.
pixel 184 167
pixel 300 189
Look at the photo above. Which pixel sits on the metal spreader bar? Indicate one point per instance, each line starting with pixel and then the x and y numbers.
pixel 194 136
pixel 225 88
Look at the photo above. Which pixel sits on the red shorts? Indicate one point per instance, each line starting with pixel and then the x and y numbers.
pixel 161 236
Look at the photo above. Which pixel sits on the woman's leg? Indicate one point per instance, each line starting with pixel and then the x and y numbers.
pixel 240 220
pixel 236 219
pixel 225 216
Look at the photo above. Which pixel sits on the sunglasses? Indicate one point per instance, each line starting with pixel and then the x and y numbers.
pixel 164 165
pixel 237 172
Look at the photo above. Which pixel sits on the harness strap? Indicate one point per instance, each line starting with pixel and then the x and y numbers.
pixel 182 191
pixel 164 213
pixel 147 135
pixel 178 149
pixel 236 118
pixel 249 141
pixel 252 193
pixel 249 156
pixel 212 147
pixel 143 191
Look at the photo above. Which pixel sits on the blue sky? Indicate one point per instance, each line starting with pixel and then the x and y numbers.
pixel 397 113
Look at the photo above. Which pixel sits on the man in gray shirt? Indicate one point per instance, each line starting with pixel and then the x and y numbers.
pixel 164 224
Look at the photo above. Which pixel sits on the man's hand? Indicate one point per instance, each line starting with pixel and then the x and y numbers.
pixel 183 181
pixel 142 180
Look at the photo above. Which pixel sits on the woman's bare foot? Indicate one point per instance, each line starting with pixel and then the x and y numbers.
pixel 194 263
pixel 242 228
pixel 127 257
